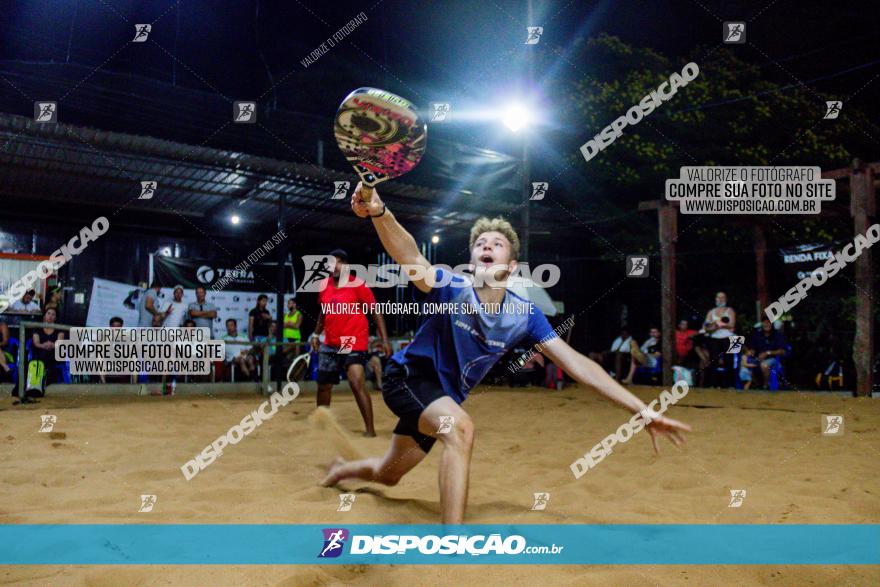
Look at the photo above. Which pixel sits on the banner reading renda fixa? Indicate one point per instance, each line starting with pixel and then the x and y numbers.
pixel 634 115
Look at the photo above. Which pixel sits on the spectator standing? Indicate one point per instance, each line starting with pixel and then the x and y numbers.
pixel 176 312
pixel 292 322
pixel 202 312
pixel 259 320
pixel 719 325
pixel 148 306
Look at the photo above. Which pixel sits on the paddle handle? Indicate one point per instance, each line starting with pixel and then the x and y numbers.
pixel 366 193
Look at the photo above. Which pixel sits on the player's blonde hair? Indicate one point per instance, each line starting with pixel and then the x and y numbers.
pixel 497 224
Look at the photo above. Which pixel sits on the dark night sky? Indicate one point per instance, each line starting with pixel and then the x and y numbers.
pixel 465 52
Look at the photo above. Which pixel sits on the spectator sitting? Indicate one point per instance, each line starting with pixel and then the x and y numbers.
pixel 684 343
pixel 237 354
pixel 4 345
pixel 188 323
pixel 645 355
pixel 617 356
pixel 769 344
pixel 748 363
pixel 43 343
pixel 26 305
pixel 201 312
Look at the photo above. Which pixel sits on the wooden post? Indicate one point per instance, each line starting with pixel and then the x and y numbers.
pixel 668 217
pixel 862 207
pixel 760 244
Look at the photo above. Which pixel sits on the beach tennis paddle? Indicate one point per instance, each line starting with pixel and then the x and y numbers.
pixel 380 134
pixel 298 367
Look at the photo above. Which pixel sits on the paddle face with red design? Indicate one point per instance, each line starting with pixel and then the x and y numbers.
pixel 380 134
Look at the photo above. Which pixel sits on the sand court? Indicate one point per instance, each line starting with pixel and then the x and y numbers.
pixel 104 453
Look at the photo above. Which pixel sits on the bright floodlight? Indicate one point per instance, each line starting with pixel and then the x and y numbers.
pixel 516 117
pixel 435 239
pixel 235 219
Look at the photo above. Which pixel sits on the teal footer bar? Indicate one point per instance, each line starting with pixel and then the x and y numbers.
pixel 282 544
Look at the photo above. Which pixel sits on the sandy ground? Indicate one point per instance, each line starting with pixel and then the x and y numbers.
pixel 106 452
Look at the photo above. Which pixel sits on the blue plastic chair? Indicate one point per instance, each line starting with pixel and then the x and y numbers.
pixel 777 373
pixel 651 374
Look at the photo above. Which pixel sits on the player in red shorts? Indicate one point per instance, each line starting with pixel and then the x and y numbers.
pixel 343 321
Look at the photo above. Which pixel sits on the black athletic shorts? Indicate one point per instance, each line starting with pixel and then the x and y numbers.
pixel 408 390
pixel 331 363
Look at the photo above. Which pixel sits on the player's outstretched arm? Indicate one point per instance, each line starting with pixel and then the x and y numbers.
pixel 588 372
pixel 397 241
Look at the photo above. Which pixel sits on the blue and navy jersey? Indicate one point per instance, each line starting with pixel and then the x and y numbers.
pixel 463 346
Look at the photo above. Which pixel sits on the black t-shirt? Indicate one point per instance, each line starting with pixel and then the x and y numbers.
pixel 42 354
pixel 262 319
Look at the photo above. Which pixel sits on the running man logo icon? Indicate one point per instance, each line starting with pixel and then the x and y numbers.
pixel 636 266
pixel 346 500
pixel 47 423
pixel 318 269
pixel 148 190
pixel 346 344
pixel 244 112
pixel 737 497
pixel 833 109
pixel 147 503
pixel 334 541
pixel 141 32
pixel 440 111
pixel 539 190
pixel 736 344
pixel 541 500
pixel 734 33
pixel 46 112
pixel 340 190
pixel 447 423
pixel 534 34
pixel 832 425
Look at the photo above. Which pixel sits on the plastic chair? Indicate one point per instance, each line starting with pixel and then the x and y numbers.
pixel 777 373
pixel 650 374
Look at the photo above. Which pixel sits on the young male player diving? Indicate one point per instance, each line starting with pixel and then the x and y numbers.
pixel 427 381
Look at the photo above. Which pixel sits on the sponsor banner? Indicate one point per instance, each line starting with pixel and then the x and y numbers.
pixel 629 544
pixel 111 298
pixel 244 276
pixel 800 261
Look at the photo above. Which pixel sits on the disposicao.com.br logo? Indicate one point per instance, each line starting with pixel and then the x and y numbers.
pixel 334 541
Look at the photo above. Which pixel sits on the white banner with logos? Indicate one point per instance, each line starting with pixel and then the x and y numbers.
pixel 111 298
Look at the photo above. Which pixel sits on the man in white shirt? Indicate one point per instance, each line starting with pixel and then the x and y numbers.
pixel 621 343
pixel 645 355
pixel 176 311
pixel 237 354
pixel 26 305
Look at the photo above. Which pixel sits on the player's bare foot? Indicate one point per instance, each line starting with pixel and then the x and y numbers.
pixel 370 434
pixel 332 472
